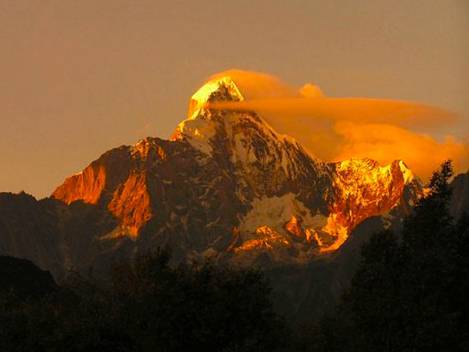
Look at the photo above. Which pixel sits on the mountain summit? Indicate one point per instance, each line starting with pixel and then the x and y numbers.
pixel 227 185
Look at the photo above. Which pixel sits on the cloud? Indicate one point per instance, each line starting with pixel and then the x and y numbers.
pixel 334 129
pixel 386 142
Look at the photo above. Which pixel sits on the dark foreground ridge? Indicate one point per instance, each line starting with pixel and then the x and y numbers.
pixel 24 279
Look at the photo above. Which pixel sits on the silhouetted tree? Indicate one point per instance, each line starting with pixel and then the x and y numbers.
pixel 203 307
pixel 149 306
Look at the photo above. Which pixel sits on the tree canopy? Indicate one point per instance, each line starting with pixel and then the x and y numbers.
pixel 148 306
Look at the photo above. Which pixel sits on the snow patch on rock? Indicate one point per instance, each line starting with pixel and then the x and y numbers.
pixel 276 212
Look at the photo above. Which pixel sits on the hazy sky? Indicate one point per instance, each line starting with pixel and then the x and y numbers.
pixel 80 77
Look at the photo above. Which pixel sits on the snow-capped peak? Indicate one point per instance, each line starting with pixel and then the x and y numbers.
pixel 208 91
pixel 204 124
pixel 199 128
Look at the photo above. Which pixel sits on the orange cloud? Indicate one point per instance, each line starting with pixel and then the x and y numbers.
pixel 341 128
pixel 385 142
pixel 353 109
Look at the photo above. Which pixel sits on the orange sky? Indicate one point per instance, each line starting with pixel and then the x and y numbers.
pixel 80 77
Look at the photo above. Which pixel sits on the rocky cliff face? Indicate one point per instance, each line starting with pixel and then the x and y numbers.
pixel 227 185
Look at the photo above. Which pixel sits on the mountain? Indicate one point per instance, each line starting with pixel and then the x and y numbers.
pixel 56 237
pixel 28 229
pixel 226 185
